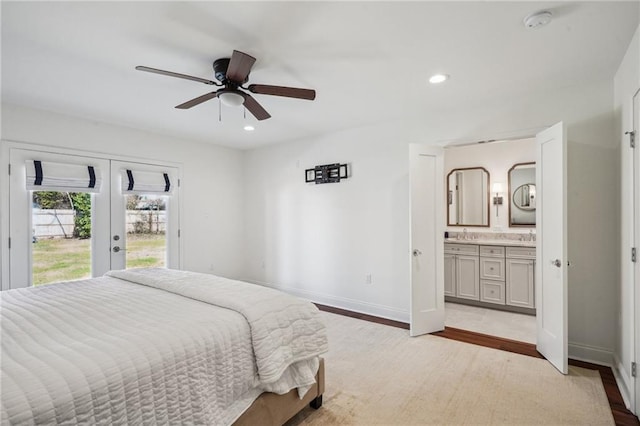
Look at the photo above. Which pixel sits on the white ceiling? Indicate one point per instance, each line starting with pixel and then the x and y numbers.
pixel 368 61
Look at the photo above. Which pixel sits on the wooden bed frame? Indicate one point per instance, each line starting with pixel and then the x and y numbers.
pixel 271 409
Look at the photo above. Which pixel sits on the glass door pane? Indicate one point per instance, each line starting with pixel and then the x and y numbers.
pixel 146 222
pixel 61 236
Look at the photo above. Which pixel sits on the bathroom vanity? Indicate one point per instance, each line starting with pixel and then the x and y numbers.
pixel 495 274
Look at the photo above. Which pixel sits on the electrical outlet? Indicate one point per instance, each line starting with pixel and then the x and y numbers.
pixel 368 279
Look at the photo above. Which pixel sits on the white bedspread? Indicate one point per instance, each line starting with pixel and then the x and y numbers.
pixel 110 351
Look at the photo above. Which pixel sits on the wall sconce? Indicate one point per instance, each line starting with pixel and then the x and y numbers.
pixel 497 200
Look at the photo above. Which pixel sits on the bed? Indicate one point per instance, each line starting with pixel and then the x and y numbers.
pixel 158 346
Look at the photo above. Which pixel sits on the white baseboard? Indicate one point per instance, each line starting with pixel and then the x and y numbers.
pixel 359 306
pixel 623 380
pixel 592 354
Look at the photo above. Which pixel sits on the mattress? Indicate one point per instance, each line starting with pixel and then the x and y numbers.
pixel 151 347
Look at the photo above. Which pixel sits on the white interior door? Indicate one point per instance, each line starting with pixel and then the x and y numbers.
pixel 144 216
pixel 636 240
pixel 426 181
pixel 551 251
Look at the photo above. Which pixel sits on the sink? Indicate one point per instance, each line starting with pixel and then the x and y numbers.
pixel 493 242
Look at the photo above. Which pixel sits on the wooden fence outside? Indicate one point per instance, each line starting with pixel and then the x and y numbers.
pixel 58 223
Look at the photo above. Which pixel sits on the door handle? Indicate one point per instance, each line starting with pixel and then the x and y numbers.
pixel 557 263
pixel 416 252
pixel 116 249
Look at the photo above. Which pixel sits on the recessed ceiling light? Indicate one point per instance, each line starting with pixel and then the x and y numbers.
pixel 538 19
pixel 438 78
pixel 249 128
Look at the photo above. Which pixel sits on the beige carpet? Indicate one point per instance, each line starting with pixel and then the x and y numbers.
pixel 376 374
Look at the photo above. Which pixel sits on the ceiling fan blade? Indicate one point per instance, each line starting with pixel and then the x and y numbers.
pixel 175 74
pixel 197 101
pixel 288 92
pixel 239 67
pixel 255 108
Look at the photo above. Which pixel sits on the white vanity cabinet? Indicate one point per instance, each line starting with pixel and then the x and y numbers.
pixel 499 276
pixel 492 274
pixel 449 274
pixel 520 276
pixel 461 271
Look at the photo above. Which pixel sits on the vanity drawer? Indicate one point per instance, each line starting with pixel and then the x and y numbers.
pixel 521 252
pixel 492 292
pixel 453 248
pixel 492 251
pixel 492 268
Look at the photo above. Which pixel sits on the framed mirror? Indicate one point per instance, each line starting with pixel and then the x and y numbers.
pixel 468 197
pixel 522 195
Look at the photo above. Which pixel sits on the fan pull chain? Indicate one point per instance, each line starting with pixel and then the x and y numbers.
pixel 219 111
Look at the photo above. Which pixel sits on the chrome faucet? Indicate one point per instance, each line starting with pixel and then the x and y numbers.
pixel 531 236
pixel 465 234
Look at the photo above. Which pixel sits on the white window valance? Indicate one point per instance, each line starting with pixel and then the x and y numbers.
pixel 147 182
pixel 51 176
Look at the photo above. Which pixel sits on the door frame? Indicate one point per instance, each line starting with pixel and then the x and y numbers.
pixel 5 147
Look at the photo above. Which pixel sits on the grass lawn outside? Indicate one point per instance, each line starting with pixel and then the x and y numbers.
pixel 70 259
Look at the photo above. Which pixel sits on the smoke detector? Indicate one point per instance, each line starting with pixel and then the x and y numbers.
pixel 538 19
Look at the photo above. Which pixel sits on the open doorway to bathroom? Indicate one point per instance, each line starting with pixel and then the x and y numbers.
pixel 490 240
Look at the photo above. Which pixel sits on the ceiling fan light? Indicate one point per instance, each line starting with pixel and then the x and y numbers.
pixel 232 99
pixel 249 128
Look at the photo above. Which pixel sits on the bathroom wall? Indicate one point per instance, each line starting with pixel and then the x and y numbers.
pixel 497 158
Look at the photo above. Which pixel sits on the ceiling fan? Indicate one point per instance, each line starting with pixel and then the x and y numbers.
pixel 232 73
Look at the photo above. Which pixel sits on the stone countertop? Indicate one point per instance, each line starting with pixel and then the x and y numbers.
pixel 510 243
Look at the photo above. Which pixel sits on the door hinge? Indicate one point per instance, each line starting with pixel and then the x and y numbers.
pixel 178 233
pixel 9 169
pixel 632 138
pixel 634 256
pixel 9 242
pixel 633 369
pixel 178 183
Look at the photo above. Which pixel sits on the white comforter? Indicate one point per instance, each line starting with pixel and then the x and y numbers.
pixel 141 347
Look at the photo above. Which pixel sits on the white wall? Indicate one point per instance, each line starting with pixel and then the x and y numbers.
pixel 626 84
pixel 211 191
pixel 497 158
pixel 321 241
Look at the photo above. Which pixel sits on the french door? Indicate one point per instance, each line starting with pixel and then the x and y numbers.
pixel 144 218
pixel 75 216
